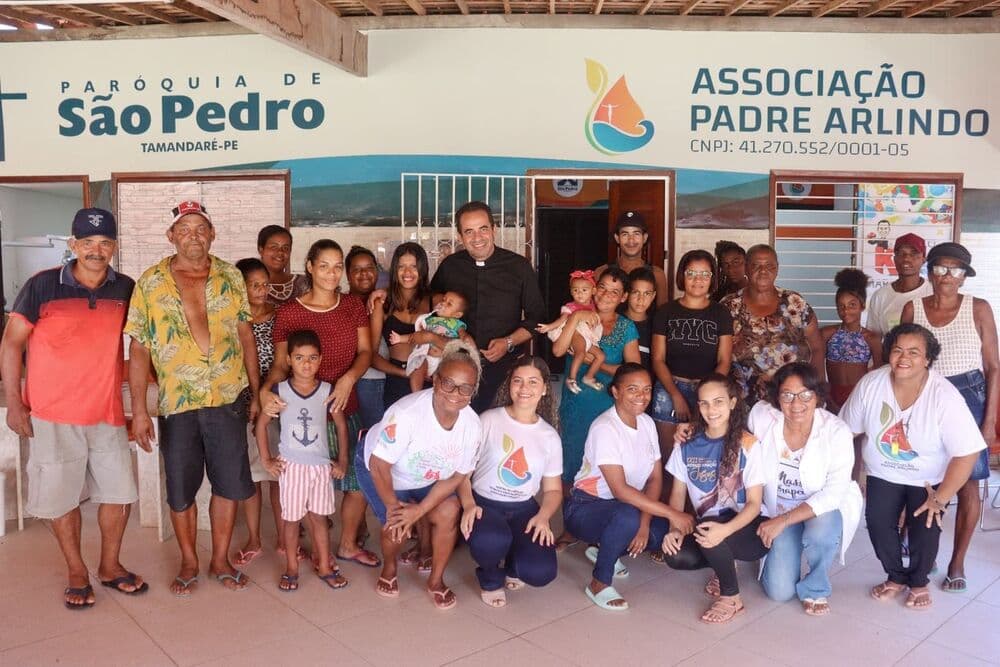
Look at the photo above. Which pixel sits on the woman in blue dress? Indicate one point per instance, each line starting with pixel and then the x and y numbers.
pixel 620 344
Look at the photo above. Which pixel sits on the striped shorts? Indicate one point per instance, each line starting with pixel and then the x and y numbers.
pixel 305 488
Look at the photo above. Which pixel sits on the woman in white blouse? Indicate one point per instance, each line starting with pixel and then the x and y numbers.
pixel 508 531
pixel 814 505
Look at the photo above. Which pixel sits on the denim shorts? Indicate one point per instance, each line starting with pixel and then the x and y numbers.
pixel 972 386
pixel 663 405
pixel 367 484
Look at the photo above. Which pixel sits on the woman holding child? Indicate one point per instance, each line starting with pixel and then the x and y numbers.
pixel 413 462
pixel 341 323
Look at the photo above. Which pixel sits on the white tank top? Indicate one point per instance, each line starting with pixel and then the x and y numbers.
pixel 961 346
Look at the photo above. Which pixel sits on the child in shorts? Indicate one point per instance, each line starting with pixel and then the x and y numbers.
pixel 303 466
pixel 445 320
pixel 586 337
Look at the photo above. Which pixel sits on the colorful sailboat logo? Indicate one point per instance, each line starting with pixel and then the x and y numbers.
pixel 892 442
pixel 615 123
pixel 513 469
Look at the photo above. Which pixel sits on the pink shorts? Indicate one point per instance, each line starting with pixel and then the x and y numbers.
pixel 305 488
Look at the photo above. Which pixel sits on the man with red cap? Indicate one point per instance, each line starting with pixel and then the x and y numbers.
pixel 886 304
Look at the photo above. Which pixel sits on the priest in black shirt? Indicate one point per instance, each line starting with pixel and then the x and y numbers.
pixel 505 303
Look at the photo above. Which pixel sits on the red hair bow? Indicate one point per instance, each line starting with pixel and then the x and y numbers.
pixel 586 275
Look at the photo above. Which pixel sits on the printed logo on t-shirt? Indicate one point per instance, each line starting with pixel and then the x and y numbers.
pixel 513 469
pixel 702 471
pixel 892 441
pixel 388 435
pixel 693 331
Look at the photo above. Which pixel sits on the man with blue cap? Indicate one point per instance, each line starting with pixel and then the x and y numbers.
pixel 69 319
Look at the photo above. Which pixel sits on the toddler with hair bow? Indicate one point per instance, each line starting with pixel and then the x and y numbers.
pixel 586 338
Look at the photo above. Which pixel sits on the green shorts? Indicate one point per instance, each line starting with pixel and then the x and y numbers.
pixel 350 481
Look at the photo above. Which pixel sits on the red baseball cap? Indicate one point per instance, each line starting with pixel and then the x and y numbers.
pixel 189 208
pixel 912 240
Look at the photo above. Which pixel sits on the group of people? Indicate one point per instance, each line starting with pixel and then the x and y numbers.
pixel 701 429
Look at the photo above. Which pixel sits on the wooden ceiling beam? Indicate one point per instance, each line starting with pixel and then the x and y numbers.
pixel 463 6
pixel 923 7
pixel 307 25
pixel 831 6
pixel 689 6
pixel 70 17
pixel 161 16
pixel 645 7
pixel 788 4
pixel 197 11
pixel 21 20
pixel 598 6
pixel 552 6
pixel 875 8
pixel 735 7
pixel 109 14
pixel 417 8
pixel 373 7
pixel 506 6
pixel 970 7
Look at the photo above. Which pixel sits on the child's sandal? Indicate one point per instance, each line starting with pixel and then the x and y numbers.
pixel 289 583
pixel 594 384
pixel 573 386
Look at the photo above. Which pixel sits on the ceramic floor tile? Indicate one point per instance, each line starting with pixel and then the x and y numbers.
pixel 121 643
pixel 598 637
pixel 929 653
pixel 415 633
pixel 724 654
pixel 852 595
pixel 972 630
pixel 838 639
pixel 310 647
pixel 514 651
pixel 991 595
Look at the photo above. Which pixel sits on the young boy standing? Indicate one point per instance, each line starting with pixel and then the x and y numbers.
pixel 303 466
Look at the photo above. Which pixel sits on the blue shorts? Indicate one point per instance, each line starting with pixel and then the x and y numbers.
pixel 663 405
pixel 367 484
pixel 972 386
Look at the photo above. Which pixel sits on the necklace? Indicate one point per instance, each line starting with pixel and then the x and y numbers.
pixel 281 291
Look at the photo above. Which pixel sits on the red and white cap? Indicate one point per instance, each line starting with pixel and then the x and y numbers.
pixel 188 208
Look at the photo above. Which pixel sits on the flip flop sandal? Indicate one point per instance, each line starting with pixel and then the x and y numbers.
pixel 392 587
pixel 331 580
pixel 817 607
pixel 291 583
pixel 356 558
pixel 594 384
pixel 84 592
pixel 410 557
pixel 572 385
pixel 913 598
pixel 237 578
pixel 424 565
pixel 513 584
pixel 725 611
pixel 244 557
pixel 496 599
pixel 605 597
pixel 128 580
pixel 886 591
pixel 963 585
pixel 620 569
pixel 440 598
pixel 186 585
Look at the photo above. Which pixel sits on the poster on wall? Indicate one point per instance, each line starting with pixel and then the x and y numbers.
pixel 886 211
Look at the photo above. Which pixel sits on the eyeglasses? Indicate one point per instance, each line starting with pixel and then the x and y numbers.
pixel 804 396
pixel 449 386
pixel 691 273
pixel 942 270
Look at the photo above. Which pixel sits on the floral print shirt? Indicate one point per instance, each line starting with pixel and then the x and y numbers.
pixel 762 345
pixel 189 379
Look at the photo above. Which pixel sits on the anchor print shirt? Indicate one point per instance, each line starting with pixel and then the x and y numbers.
pixel 914 445
pixel 303 424
pixel 515 457
pixel 420 450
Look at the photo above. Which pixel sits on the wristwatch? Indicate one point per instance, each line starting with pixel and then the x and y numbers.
pixel 510 344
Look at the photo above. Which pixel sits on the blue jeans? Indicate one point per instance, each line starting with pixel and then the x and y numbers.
pixel 370 401
pixel 663 405
pixel 502 549
pixel 367 485
pixel 819 539
pixel 972 386
pixel 611 524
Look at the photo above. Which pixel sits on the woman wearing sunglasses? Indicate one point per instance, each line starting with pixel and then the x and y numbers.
pixel 414 460
pixel 966 330
pixel 813 505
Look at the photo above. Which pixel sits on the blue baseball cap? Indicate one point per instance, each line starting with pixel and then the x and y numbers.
pixel 94 222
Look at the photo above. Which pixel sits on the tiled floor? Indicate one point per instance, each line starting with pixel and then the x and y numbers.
pixel 552 626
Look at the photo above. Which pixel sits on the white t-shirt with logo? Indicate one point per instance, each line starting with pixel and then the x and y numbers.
pixel 697 463
pixel 790 494
pixel 420 450
pixel 611 442
pixel 915 445
pixel 514 457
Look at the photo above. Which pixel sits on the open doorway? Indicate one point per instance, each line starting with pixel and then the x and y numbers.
pixel 570 220
pixel 35 217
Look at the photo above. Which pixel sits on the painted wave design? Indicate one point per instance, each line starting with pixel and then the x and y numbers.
pixel 615 122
